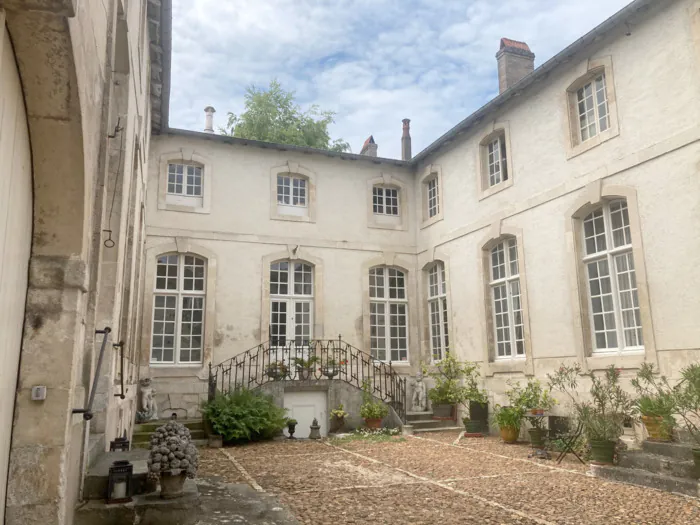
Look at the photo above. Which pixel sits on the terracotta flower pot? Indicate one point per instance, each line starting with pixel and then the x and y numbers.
pixel 373 423
pixel 655 428
pixel 602 452
pixel 509 434
pixel 171 483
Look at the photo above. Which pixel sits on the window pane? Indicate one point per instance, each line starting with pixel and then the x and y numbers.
pixel 377 321
pixel 397 285
pixel 513 256
pixel 283 190
pixel 620 220
pixel 594 232
pixel 498 262
pixel 501 320
pixel 398 322
pixel 433 197
pixel 378 199
pixel 376 282
pixel 435 330
pixel 164 313
pixel 602 306
pixel 278 323
pixel 629 300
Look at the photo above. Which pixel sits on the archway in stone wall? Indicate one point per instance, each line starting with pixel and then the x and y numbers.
pixel 44 470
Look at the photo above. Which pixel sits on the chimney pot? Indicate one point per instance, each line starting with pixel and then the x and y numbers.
pixel 515 61
pixel 369 148
pixel 209 119
pixel 406 140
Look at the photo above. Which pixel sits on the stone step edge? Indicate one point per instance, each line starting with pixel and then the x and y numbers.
pixel 630 459
pixel 643 478
pixel 437 429
pixel 195 442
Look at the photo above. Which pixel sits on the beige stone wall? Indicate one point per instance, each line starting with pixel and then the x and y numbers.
pixel 83 64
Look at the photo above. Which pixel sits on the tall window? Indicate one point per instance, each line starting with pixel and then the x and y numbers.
pixel 507 308
pixel 178 309
pixel 433 197
pixel 291 190
pixel 612 285
pixel 497 160
pixel 388 314
pixel 385 201
pixel 291 303
pixel 437 310
pixel 592 108
pixel 184 179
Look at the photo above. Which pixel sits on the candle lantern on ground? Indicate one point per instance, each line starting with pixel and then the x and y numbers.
pixel 120 482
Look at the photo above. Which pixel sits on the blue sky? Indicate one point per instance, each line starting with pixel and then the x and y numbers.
pixel 373 62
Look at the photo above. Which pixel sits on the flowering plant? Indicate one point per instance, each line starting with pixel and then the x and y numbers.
pixel 339 413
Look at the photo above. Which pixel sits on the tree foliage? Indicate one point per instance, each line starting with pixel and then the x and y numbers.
pixel 272 115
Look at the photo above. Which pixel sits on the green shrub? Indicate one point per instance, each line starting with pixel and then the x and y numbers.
pixel 456 382
pixel 245 415
pixel 371 408
pixel 508 417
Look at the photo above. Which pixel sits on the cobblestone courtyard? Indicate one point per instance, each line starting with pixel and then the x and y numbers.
pixel 442 479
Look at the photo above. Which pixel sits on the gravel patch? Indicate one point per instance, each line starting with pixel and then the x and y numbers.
pixel 213 463
pixel 410 504
pixel 278 447
pixel 572 499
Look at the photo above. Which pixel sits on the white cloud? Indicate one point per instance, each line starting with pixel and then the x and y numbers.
pixel 374 62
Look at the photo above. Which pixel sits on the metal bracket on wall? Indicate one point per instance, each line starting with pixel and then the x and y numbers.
pixel 87 412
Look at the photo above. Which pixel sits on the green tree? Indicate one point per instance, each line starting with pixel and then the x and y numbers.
pixel 272 115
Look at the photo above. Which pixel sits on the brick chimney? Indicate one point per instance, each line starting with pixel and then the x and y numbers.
pixel 369 148
pixel 515 61
pixel 209 119
pixel 406 140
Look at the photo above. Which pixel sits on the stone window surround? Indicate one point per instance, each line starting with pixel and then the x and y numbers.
pixel 587 71
pixel 431 171
pixel 293 169
pixel 293 253
pixel 426 344
pixel 595 194
pixel 497 128
pixel 180 245
pixel 184 156
pixel 399 223
pixel 497 233
pixel 406 265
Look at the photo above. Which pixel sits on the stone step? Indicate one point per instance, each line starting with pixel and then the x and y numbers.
pixel 145 437
pixel 146 444
pixel 97 476
pixel 689 487
pixel 654 463
pixel 431 423
pixel 192 424
pixel 438 429
pixel 418 416
pixel 671 450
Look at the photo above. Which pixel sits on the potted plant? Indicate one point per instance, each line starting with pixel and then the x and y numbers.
pixel 305 367
pixel 535 401
pixel 472 394
pixel 338 416
pixel 455 382
pixel 603 417
pixel 291 427
pixel 172 458
pixel 656 403
pixel 508 419
pixel 277 370
pixel 372 410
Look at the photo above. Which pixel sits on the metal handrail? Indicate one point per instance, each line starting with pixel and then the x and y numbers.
pixel 332 359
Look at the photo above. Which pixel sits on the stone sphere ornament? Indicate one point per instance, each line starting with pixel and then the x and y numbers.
pixel 173 458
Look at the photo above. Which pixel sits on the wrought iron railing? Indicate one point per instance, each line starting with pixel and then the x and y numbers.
pixel 331 359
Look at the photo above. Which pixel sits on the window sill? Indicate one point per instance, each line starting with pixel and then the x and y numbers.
pixel 583 147
pixel 507 366
pixel 387 226
pixel 496 189
pixel 627 361
pixel 293 218
pixel 183 208
pixel 431 221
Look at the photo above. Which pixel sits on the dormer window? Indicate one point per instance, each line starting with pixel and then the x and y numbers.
pixel 592 108
pixel 497 160
pixel 495 166
pixel 385 201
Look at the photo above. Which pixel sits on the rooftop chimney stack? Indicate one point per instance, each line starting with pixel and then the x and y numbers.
pixel 515 61
pixel 406 140
pixel 209 119
pixel 369 148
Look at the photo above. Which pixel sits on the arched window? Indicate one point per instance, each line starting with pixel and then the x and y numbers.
pixel 615 317
pixel 178 309
pixel 506 301
pixel 437 311
pixel 291 303
pixel 388 314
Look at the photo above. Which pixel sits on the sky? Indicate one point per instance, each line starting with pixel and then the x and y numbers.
pixel 372 62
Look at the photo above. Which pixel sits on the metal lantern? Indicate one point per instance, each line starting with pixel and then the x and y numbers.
pixel 120 485
pixel 120 443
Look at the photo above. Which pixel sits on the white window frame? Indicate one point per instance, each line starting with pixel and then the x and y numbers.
pixel 380 298
pixel 504 282
pixel 438 318
pixel 609 250
pixel 298 190
pixel 299 292
pixel 431 195
pixel 179 293
pixel 497 160
pixel 301 211
pixel 432 189
pixel 592 108
pixel 380 197
pixel 184 183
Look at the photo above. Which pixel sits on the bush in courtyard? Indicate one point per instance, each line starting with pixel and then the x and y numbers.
pixel 245 415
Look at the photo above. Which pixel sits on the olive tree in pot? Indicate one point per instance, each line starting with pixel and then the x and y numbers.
pixel 508 419
pixel 656 404
pixel 372 410
pixel 455 381
pixel 535 402
pixel 603 417
pixel 172 458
